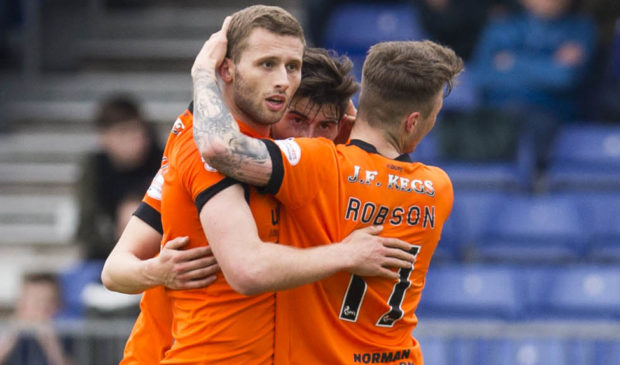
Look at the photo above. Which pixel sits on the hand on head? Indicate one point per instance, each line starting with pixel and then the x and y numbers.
pixel 213 51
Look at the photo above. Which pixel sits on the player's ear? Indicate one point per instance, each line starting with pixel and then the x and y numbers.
pixel 227 70
pixel 412 121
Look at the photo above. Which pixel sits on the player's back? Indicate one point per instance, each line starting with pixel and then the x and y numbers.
pixel 352 319
pixel 214 324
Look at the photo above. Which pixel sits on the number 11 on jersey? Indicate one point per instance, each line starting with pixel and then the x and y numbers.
pixel 356 291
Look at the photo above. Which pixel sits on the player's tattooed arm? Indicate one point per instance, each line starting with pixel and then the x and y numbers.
pixel 216 132
pixel 218 137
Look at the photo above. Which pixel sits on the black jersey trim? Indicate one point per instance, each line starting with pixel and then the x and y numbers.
pixel 372 149
pixel 190 107
pixel 246 192
pixel 150 216
pixel 277 169
pixel 212 190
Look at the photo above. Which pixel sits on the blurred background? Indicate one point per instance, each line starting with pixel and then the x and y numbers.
pixel 528 268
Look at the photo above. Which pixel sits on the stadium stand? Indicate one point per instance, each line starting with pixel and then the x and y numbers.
pixel 461 291
pixel 585 157
pixel 382 21
pixel 560 304
pixel 580 292
pixel 534 229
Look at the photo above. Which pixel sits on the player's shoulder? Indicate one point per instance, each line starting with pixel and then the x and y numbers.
pixel 441 179
pixel 296 149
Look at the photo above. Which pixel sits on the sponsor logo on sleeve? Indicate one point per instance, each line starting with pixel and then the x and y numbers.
pixel 154 190
pixel 290 149
pixel 178 127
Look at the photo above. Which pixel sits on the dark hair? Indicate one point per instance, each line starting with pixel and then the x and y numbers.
pixel 41 278
pixel 116 110
pixel 326 78
pixel 401 77
pixel 271 18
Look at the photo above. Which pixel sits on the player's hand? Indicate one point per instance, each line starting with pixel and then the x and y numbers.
pixel 570 54
pixel 213 52
pixel 176 268
pixel 373 255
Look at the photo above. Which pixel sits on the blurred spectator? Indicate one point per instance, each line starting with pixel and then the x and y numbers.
pixel 457 23
pixel 531 65
pixel 122 170
pixel 31 338
pixel 10 18
pixel 601 93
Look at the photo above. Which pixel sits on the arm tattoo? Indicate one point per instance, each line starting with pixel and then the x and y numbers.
pixel 219 139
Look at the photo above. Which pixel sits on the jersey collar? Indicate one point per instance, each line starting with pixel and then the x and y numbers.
pixel 249 131
pixel 372 149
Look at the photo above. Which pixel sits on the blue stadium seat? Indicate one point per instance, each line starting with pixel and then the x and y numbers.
pixel 585 157
pixel 529 350
pixel 73 281
pixel 435 350
pixel 509 175
pixel 601 213
pixel 382 21
pixel 465 95
pixel 607 352
pixel 537 351
pixel 469 218
pixel 427 151
pixel 581 292
pixel 534 228
pixel 464 291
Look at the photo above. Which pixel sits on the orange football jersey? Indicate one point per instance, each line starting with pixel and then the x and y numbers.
pixel 212 325
pixel 328 191
pixel 151 335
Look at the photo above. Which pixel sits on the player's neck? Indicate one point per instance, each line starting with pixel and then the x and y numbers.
pixel 262 130
pixel 376 137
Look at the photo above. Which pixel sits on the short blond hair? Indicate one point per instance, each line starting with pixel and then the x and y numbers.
pixel 403 77
pixel 271 18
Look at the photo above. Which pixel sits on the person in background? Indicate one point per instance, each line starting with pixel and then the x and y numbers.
pixel 455 23
pixel 31 339
pixel 531 65
pixel 125 165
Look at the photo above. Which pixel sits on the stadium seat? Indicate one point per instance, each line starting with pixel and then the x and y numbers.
pixel 427 151
pixel 536 351
pixel 464 95
pixel 607 352
pixel 585 157
pixel 534 229
pixel 435 350
pixel 73 281
pixel 464 291
pixel 383 21
pixel 583 292
pixel 470 214
pixel 601 213
pixel 513 174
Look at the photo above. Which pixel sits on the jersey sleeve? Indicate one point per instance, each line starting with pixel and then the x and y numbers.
pixel 300 169
pixel 149 210
pixel 201 180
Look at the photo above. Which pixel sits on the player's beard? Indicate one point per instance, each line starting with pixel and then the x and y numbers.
pixel 253 105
